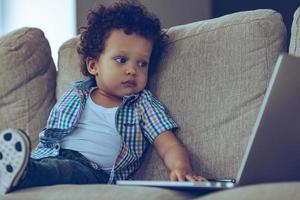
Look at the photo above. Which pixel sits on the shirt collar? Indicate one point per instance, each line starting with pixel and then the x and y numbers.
pixel 130 98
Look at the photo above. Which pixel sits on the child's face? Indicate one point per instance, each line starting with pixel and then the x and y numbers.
pixel 122 67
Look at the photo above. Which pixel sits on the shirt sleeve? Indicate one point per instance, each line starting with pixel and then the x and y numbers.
pixel 64 111
pixel 155 119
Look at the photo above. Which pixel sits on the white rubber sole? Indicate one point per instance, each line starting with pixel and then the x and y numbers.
pixel 14 156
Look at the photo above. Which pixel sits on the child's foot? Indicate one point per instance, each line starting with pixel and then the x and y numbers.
pixel 14 156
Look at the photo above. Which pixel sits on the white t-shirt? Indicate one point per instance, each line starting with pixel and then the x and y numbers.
pixel 95 135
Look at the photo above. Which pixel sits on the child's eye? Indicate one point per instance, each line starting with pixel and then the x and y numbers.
pixel 121 60
pixel 142 64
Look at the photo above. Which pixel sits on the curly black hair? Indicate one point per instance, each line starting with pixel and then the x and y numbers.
pixel 130 16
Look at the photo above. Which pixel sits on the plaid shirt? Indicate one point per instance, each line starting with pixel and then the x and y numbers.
pixel 139 120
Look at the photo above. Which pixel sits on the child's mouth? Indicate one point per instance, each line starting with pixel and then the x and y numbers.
pixel 129 83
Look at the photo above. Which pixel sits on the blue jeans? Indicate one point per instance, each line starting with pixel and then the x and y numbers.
pixel 69 167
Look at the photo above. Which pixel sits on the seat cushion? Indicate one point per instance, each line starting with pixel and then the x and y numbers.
pixel 96 192
pixel 271 191
pixel 295 34
pixel 28 79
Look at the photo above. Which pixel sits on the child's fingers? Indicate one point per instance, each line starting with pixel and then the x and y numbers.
pixel 177 176
pixel 190 178
pixel 173 177
pixel 195 178
pixel 199 178
pixel 180 177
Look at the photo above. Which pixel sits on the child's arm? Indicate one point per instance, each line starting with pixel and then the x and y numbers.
pixel 175 157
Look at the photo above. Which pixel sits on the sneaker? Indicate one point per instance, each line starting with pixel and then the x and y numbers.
pixel 14 156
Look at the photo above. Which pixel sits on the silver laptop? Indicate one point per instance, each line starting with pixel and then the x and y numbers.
pixel 273 151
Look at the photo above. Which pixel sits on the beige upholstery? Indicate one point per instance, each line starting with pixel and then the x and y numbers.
pixel 27 74
pixel 275 191
pixel 68 66
pixel 295 35
pixel 213 82
pixel 96 192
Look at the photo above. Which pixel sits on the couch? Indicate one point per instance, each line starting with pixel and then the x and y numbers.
pixel 212 81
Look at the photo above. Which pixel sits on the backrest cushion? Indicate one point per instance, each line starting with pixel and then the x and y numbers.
pixel 28 77
pixel 212 81
pixel 295 34
pixel 68 66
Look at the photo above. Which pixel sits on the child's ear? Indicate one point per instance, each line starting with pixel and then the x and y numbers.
pixel 91 65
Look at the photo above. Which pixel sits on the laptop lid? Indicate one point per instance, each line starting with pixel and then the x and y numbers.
pixel 273 151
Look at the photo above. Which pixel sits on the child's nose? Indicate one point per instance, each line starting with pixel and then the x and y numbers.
pixel 131 70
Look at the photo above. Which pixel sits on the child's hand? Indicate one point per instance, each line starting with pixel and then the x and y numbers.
pixel 185 175
pixel 175 158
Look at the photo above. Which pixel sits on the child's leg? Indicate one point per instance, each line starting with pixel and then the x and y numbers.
pixel 14 156
pixel 58 170
pixel 68 168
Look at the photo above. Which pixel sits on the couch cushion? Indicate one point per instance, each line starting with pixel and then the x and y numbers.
pixel 213 81
pixel 96 192
pixel 272 191
pixel 295 34
pixel 68 66
pixel 28 75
